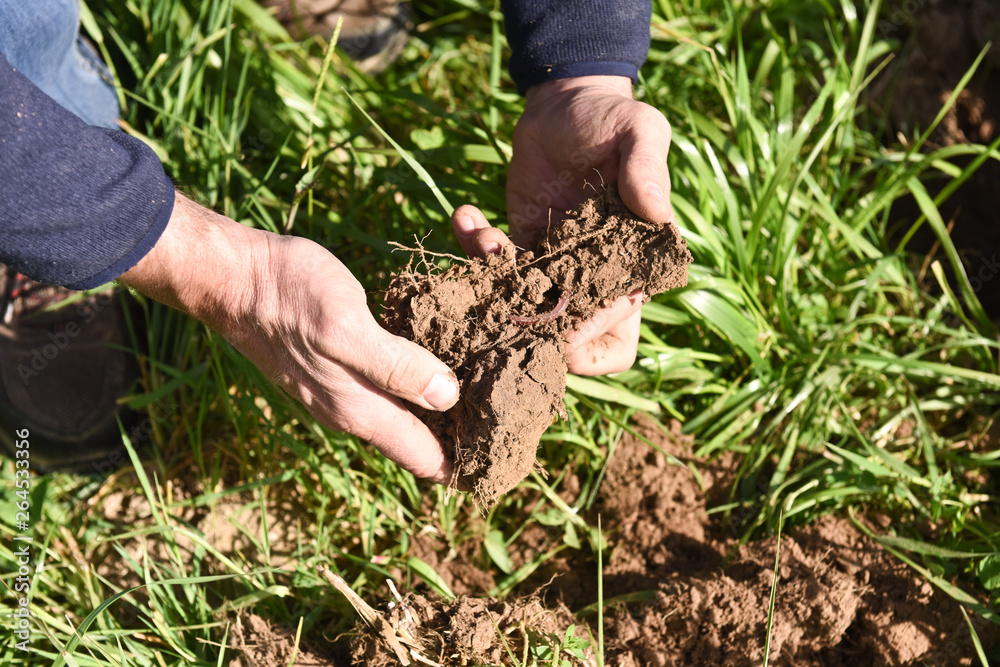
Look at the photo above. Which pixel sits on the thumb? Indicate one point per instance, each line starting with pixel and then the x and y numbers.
pixel 405 369
pixel 474 232
pixel 644 182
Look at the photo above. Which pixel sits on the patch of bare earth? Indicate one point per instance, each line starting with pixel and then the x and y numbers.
pixel 841 600
pixel 257 642
pixel 470 631
pixel 231 525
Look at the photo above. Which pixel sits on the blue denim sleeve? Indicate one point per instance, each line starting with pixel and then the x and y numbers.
pixel 79 205
pixel 559 39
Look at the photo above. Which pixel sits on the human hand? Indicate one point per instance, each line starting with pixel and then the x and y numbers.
pixel 295 311
pixel 577 131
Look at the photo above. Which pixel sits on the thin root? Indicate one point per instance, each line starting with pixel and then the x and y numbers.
pixel 422 251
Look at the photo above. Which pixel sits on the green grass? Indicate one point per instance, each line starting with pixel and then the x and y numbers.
pixel 803 342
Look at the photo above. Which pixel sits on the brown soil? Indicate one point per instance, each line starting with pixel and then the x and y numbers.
pixel 457 568
pixel 841 600
pixel 470 631
pixel 257 642
pixel 511 373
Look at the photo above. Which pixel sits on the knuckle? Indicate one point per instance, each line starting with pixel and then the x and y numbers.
pixel 344 331
pixel 655 117
pixel 361 431
pixel 650 122
pixel 402 370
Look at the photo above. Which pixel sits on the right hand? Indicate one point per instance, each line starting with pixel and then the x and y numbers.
pixel 295 311
pixel 574 130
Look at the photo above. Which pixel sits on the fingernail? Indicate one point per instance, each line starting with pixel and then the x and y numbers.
pixel 465 225
pixel 654 191
pixel 442 392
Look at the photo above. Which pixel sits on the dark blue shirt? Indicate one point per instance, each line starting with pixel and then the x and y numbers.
pixel 80 205
pixel 558 39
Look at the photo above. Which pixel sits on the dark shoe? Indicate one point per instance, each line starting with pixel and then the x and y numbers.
pixel 62 370
pixel 374 31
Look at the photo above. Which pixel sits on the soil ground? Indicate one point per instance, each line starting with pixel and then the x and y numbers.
pixel 259 643
pixel 700 598
pixel 841 598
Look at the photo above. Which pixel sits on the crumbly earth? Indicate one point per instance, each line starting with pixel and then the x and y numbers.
pixel 511 372
pixel 470 631
pixel 841 600
pixel 702 598
pixel 256 642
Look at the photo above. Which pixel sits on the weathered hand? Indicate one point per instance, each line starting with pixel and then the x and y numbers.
pixel 573 132
pixel 295 311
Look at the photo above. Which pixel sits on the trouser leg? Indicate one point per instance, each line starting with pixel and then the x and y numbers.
pixel 41 38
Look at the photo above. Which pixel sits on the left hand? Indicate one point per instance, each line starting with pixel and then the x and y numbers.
pixel 577 131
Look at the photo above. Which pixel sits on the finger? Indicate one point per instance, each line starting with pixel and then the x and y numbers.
pixel 612 352
pixel 644 182
pixel 474 232
pixel 604 320
pixel 382 420
pixel 466 220
pixel 399 367
pixel 401 437
pixel 489 241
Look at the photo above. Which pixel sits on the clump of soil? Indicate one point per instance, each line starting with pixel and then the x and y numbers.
pixel 500 322
pixel 469 631
pixel 841 598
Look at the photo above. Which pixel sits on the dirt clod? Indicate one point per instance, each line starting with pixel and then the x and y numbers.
pixel 500 322
pixel 471 631
pixel 841 598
